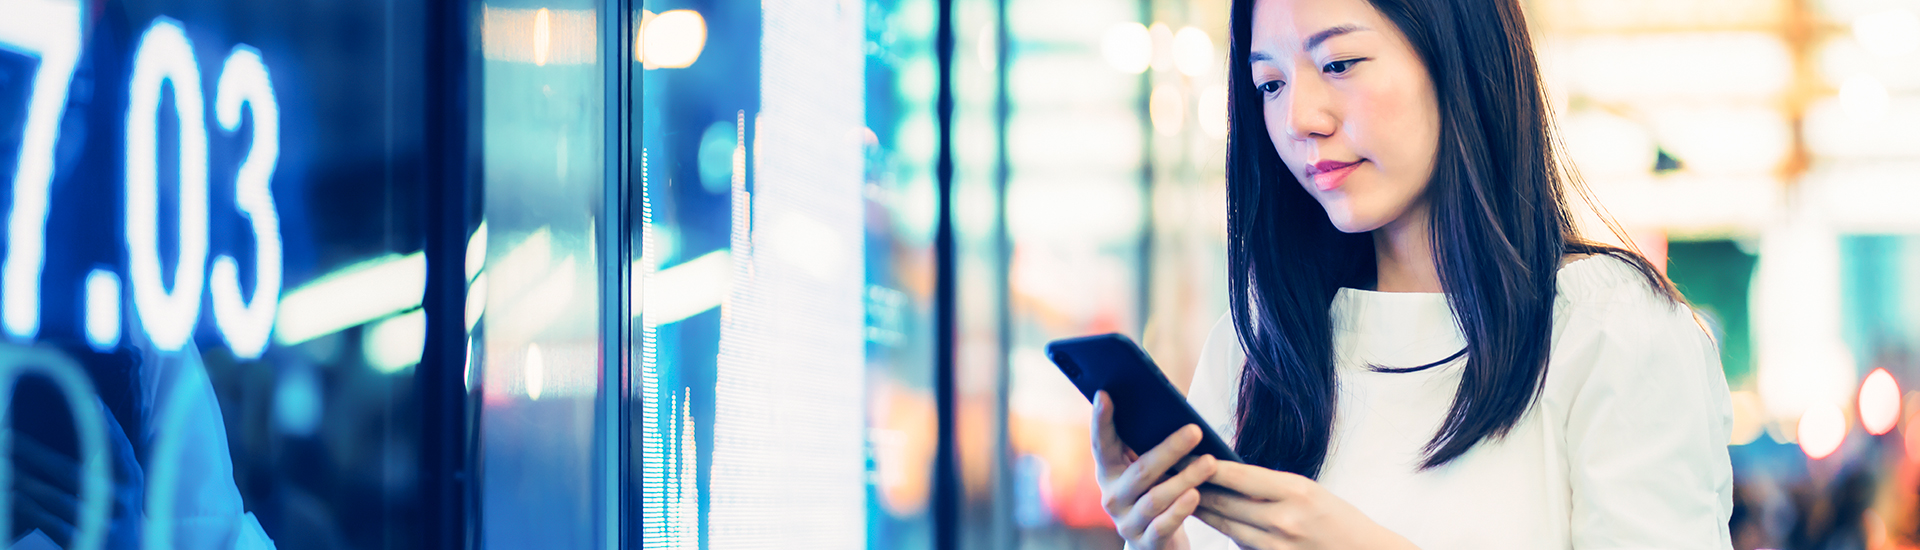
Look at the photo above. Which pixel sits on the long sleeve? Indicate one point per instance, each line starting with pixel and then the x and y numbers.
pixel 1216 379
pixel 1213 393
pixel 1646 431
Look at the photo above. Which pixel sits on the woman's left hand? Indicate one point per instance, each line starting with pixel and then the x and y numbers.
pixel 1267 509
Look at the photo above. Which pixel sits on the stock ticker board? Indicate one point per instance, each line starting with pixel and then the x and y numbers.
pixel 173 173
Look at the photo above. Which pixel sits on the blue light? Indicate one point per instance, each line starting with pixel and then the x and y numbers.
pixel 50 31
pixel 246 326
pixel 165 56
pixel 103 309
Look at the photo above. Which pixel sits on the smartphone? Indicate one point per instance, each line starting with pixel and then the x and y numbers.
pixel 1146 407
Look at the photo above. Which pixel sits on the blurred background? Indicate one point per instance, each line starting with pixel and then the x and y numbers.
pixel 681 273
pixel 1765 153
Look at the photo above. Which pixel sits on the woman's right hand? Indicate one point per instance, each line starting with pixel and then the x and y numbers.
pixel 1147 505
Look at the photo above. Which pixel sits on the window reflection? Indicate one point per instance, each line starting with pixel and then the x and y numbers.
pixel 219 348
pixel 537 357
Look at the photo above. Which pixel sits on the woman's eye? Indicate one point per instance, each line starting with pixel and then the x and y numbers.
pixel 1269 87
pixel 1340 67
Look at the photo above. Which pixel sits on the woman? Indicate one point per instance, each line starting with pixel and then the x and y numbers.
pixel 1422 352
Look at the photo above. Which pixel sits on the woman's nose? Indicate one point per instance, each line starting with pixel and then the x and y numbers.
pixel 1308 113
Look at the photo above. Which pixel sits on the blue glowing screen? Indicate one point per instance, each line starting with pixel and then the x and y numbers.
pixel 211 272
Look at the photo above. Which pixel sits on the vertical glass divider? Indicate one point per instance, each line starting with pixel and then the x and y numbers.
pixel 616 18
pixel 947 491
pixel 446 460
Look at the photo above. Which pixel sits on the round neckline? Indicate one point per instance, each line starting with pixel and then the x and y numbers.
pixel 1569 266
pixel 1424 313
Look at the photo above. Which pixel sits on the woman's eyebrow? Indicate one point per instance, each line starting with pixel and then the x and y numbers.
pixel 1330 32
pixel 1312 41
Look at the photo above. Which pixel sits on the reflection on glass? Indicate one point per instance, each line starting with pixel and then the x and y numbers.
pixel 783 385
pixel 542 147
pixel 213 275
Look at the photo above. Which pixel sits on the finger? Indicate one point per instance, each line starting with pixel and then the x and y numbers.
pixel 1257 483
pixel 1243 534
pixel 1232 505
pixel 1162 497
pixel 1140 477
pixel 1180 466
pixel 1168 523
pixel 1109 453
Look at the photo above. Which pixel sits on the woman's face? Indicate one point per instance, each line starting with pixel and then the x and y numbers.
pixel 1349 106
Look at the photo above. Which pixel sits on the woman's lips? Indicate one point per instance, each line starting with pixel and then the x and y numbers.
pixel 1327 174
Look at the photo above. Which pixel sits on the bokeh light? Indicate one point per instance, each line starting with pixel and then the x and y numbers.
pixel 674 39
pixel 1890 33
pixel 1167 109
pixel 1822 430
pixel 1212 111
pixel 1128 47
pixel 1863 97
pixel 1879 402
pixel 1749 418
pixel 1193 52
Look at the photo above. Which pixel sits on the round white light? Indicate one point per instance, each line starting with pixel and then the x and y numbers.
pixel 1863 98
pixel 1213 111
pixel 1879 402
pixel 1193 52
pixel 1822 430
pixel 674 39
pixel 1167 109
pixel 1890 33
pixel 1161 36
pixel 1128 47
pixel 535 372
pixel 542 36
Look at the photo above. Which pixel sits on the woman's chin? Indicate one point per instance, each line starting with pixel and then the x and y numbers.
pixel 1353 222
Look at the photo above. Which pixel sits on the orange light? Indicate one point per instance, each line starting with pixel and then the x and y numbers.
pixel 1912 438
pixel 1822 430
pixel 542 36
pixel 1879 402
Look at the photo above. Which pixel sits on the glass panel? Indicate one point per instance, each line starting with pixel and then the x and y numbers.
pixel 542 140
pixel 898 197
pixel 697 131
pixel 213 272
pixel 1076 136
pixel 981 249
pixel 784 281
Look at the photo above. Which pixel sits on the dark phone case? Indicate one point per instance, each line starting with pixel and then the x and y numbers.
pixel 1146 407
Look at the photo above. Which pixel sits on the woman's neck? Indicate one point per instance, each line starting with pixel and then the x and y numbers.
pixel 1403 254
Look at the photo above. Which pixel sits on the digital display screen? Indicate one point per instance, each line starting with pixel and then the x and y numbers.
pixel 213 239
pixel 784 387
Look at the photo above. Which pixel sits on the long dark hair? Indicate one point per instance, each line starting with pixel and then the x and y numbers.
pixel 1500 226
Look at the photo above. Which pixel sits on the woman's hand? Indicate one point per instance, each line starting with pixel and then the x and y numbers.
pixel 1265 509
pixel 1146 504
